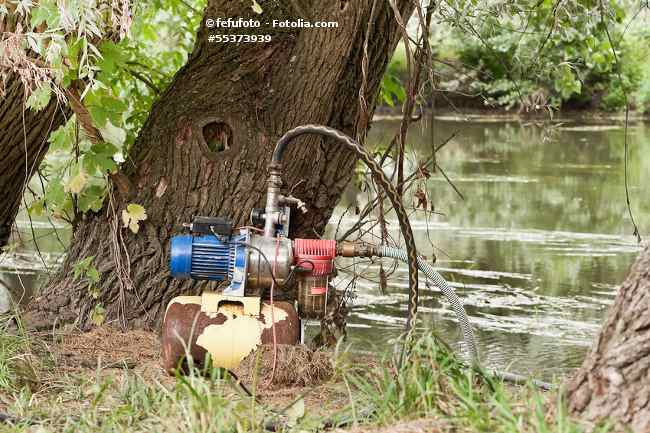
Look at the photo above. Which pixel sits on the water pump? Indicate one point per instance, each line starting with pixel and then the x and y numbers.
pixel 254 263
pixel 259 265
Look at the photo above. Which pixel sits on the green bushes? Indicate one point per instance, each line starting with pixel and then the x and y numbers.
pixel 554 54
pixel 549 54
pixel 641 96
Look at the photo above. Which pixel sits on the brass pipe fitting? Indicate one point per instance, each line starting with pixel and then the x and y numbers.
pixel 355 249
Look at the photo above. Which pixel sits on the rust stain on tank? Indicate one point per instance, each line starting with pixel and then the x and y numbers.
pixel 228 335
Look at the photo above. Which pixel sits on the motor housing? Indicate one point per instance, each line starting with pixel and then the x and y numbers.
pixel 211 258
pixel 202 258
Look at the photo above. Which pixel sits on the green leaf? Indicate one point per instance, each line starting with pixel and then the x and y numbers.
pixel 132 215
pixel 98 315
pixel 387 99
pixel 80 268
pixel 99 115
pixel 112 57
pixel 63 137
pixel 392 88
pixel 104 107
pixel 93 162
pixel 47 12
pixel 74 51
pixel 37 207
pixel 39 15
pixel 100 158
pixel 92 274
pixel 257 8
pixel 113 104
pixel 55 193
pixel 77 183
pixel 92 198
pixel 40 97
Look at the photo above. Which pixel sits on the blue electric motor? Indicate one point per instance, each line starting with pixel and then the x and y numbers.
pixel 201 258
pixel 210 257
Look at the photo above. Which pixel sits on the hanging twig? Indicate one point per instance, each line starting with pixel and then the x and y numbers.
pixel 627 116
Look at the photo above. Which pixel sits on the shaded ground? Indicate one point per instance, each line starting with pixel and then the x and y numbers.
pixel 299 371
pixel 107 381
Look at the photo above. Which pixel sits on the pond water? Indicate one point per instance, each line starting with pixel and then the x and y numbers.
pixel 535 250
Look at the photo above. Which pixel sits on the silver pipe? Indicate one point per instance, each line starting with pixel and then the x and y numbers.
pixel 272 209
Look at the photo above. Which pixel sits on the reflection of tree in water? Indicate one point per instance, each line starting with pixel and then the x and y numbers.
pixel 531 205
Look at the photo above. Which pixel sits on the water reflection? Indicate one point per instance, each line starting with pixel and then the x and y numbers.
pixel 535 250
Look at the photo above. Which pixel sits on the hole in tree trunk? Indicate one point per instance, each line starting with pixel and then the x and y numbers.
pixel 217 136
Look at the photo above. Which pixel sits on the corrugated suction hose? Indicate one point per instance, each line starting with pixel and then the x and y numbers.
pixel 409 255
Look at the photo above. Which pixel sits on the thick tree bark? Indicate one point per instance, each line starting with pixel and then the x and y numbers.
pixel 23 144
pixel 247 95
pixel 614 380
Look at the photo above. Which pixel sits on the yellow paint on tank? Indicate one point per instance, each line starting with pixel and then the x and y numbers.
pixel 278 313
pixel 230 342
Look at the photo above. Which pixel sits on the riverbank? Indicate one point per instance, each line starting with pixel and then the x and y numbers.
pixel 108 380
pixel 495 114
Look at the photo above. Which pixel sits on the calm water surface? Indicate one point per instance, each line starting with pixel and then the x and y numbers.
pixel 535 250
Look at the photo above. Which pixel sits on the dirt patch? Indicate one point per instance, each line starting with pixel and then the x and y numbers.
pixel 106 348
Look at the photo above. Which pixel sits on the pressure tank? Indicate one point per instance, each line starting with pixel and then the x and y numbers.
pixel 227 328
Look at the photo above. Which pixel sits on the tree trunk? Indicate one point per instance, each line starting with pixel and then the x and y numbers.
pixel 23 144
pixel 614 380
pixel 243 96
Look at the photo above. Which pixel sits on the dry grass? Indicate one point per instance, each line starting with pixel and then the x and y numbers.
pixel 111 381
pixel 295 366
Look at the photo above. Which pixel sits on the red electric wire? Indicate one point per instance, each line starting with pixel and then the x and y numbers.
pixel 275 341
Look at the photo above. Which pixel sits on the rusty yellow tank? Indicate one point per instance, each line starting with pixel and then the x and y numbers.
pixel 227 328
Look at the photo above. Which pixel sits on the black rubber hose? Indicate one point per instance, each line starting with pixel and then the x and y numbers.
pixel 390 191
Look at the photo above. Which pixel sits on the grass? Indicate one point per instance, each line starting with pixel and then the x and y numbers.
pixel 432 385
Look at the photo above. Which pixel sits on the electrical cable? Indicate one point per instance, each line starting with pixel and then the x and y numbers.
pixel 275 339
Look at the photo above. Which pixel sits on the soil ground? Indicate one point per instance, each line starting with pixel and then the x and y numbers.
pixel 109 350
pixel 114 379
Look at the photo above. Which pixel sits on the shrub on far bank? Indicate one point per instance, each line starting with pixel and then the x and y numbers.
pixel 555 55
